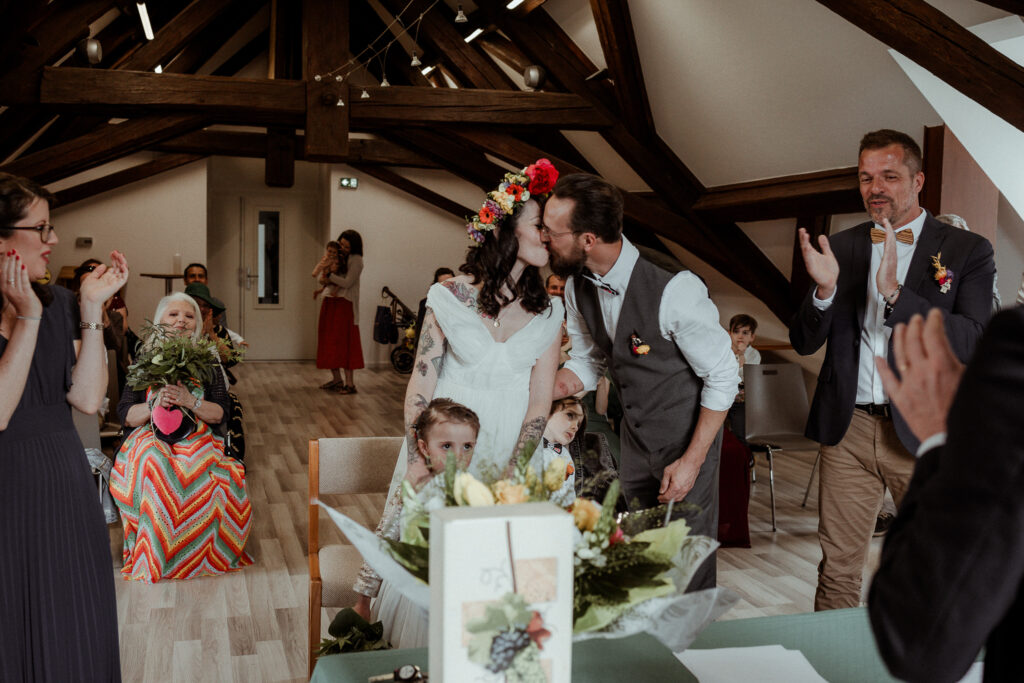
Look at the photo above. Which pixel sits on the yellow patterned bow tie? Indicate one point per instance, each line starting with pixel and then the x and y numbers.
pixel 906 236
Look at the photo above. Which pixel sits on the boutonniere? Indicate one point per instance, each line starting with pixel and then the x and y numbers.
pixel 943 275
pixel 637 345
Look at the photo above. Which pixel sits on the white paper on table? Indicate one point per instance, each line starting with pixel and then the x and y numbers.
pixel 765 664
pixel 373 552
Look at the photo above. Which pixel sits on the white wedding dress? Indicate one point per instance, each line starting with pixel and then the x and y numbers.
pixel 493 379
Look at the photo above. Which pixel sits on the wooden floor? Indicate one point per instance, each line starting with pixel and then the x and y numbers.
pixel 251 625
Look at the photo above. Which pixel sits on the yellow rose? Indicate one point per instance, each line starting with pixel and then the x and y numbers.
pixel 508 493
pixel 469 491
pixel 555 474
pixel 585 513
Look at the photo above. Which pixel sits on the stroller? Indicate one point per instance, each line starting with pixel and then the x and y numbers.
pixel 396 324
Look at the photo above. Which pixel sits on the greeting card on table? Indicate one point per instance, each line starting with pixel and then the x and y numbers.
pixel 501 594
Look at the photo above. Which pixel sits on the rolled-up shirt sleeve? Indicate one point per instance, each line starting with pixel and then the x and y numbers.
pixel 585 360
pixel 689 318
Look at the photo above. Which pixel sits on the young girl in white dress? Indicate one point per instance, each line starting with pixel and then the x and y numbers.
pixel 490 341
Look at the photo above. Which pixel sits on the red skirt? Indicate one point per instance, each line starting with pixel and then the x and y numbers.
pixel 337 339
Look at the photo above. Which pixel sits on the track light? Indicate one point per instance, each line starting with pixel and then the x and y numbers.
pixel 460 18
pixel 147 28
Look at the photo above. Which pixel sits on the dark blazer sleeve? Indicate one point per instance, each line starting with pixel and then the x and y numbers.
pixel 953 561
pixel 809 328
pixel 972 305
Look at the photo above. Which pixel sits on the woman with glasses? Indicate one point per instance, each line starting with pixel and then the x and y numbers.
pixel 58 617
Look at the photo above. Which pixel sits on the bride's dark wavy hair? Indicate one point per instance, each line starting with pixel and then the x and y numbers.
pixel 491 263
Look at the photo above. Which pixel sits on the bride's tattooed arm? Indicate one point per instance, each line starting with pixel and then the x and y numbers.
pixel 429 357
pixel 542 381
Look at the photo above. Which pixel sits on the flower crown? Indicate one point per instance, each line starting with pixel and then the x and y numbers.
pixel 536 180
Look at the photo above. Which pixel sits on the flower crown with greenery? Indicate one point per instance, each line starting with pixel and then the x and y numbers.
pixel 536 180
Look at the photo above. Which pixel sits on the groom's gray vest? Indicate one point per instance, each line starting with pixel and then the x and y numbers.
pixel 660 393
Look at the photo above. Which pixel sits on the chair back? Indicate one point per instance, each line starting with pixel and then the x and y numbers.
pixel 357 465
pixel 776 400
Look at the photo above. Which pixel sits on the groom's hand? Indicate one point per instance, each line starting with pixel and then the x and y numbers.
pixel 677 479
pixel 821 266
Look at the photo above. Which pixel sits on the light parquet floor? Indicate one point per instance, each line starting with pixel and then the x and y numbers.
pixel 251 625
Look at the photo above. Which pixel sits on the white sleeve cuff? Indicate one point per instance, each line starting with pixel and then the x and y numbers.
pixel 584 370
pixel 823 304
pixel 933 441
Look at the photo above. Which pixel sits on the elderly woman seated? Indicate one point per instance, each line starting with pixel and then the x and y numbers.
pixel 184 506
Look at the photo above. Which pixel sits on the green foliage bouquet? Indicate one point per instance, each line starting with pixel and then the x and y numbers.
pixel 168 358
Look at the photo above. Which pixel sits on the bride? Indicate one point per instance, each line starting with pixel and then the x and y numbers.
pixel 490 341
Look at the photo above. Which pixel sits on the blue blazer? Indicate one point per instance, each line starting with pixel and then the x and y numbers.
pixel 967 307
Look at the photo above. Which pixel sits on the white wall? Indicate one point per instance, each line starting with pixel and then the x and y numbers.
pixel 404 239
pixel 150 221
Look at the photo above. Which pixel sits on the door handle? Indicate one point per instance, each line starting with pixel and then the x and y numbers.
pixel 245 278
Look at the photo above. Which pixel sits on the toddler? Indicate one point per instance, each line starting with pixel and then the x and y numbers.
pixel 564 422
pixel 445 429
pixel 328 264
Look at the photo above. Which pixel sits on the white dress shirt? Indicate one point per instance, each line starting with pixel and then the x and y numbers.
pixel 686 316
pixel 874 334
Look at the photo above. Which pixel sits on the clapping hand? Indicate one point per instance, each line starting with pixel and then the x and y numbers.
pixel 821 266
pixel 103 282
pixel 16 287
pixel 886 279
pixel 929 374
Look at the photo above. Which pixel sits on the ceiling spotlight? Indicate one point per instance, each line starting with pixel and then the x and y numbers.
pixel 384 83
pixel 460 18
pixel 415 59
pixel 365 95
pixel 473 36
pixel 147 28
pixel 89 51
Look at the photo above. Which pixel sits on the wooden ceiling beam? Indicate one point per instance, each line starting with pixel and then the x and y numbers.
pixel 822 192
pixel 943 47
pixel 410 105
pixel 284 101
pixel 254 145
pixel 211 39
pixel 77 193
pixel 325 44
pixel 110 142
pixel 175 35
pixel 1011 6
pixel 618 42
pixel 452 154
pixel 415 189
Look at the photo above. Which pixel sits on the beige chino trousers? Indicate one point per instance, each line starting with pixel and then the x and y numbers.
pixel 854 475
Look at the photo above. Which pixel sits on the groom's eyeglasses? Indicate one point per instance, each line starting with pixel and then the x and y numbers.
pixel 546 231
pixel 45 230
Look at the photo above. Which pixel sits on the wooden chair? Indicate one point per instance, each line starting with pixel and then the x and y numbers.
pixel 341 466
pixel 777 408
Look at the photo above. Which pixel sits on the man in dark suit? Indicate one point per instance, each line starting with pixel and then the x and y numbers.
pixel 867 279
pixel 951 577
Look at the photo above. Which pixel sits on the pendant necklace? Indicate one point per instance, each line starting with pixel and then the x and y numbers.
pixel 496 320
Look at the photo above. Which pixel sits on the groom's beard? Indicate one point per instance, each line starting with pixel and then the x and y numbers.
pixel 566 266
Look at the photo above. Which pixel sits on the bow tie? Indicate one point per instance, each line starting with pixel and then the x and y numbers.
pixel 906 236
pixel 556 447
pixel 601 284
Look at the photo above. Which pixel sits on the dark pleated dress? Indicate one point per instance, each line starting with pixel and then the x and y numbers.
pixel 58 616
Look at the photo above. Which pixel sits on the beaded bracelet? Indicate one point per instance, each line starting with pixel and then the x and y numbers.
pixel 90 326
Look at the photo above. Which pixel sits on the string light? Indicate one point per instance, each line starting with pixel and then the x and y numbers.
pixel 415 60
pixel 365 95
pixel 460 18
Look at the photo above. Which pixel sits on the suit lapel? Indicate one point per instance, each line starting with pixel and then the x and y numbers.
pixel 929 244
pixel 861 258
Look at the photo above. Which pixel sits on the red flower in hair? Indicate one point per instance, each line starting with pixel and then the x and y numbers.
pixel 487 215
pixel 542 176
pixel 515 190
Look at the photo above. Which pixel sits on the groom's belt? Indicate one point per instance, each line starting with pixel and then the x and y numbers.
pixel 880 409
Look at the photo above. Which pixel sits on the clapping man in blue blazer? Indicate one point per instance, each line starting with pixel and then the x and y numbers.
pixel 866 280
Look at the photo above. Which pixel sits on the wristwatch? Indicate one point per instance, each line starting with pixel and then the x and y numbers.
pixel 408 673
pixel 891 299
pixel 195 406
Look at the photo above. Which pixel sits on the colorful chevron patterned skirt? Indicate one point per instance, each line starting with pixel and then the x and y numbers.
pixel 184 507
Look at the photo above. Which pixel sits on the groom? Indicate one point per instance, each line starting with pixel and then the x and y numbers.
pixel 659 335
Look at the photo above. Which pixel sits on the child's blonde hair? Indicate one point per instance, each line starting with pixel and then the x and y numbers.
pixel 444 410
